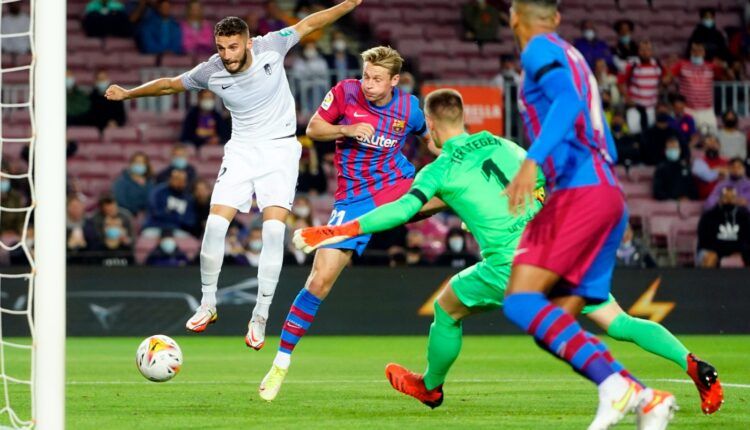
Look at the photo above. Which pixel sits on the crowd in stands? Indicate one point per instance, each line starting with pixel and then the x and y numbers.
pixel 660 110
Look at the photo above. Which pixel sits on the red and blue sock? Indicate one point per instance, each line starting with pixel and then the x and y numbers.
pixel 619 368
pixel 301 315
pixel 559 332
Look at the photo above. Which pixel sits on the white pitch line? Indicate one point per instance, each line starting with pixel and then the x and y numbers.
pixel 376 381
pixel 687 381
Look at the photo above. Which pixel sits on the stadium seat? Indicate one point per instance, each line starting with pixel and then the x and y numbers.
pixel 165 135
pixel 143 246
pixel 211 153
pixel 177 61
pixel 658 229
pixel 83 134
pixel 189 245
pixel 121 134
pixel 689 208
pixel 636 190
pixel 732 262
pixel 79 42
pixel 119 44
pixel 99 151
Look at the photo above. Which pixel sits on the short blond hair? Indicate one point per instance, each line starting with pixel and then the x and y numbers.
pixel 384 56
pixel 445 106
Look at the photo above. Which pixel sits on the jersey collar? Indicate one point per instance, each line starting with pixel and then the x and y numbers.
pixel 448 144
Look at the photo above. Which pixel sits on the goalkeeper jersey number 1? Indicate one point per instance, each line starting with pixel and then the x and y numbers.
pixel 470 176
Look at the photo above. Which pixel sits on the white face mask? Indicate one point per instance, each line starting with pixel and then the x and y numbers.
pixel 70 82
pixel 339 45
pixel 207 104
pixel 589 34
pixel 407 88
pixel 102 86
pixel 456 244
pixel 310 53
pixel 255 245
pixel 301 211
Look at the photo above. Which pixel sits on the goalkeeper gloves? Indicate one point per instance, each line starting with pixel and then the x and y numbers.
pixel 311 238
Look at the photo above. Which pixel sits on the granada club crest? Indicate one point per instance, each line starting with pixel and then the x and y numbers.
pixel 398 126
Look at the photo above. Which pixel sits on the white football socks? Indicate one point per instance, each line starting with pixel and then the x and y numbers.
pixel 269 266
pixel 212 256
pixel 282 360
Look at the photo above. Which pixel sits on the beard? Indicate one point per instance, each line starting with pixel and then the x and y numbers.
pixel 240 65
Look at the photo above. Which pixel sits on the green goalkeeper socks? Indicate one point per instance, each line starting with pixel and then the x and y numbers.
pixel 651 336
pixel 443 347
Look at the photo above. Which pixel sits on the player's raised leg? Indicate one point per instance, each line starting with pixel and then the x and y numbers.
pixel 211 259
pixel 656 339
pixel 327 267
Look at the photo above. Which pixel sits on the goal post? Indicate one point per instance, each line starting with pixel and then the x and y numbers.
pixel 48 89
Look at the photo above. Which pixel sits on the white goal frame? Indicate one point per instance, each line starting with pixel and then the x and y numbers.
pixel 49 38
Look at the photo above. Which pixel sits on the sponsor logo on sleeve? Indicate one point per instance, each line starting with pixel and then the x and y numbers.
pixel 327 101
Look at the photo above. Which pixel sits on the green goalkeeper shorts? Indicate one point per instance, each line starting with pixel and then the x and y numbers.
pixel 483 286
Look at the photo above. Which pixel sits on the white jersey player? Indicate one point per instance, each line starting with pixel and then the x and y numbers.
pixel 262 157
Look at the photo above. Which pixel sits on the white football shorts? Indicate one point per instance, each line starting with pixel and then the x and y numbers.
pixel 267 170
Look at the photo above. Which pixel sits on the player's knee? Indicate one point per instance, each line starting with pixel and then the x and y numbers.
pixel 319 285
pixel 272 235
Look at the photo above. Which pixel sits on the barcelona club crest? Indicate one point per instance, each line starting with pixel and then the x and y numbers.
pixel 398 126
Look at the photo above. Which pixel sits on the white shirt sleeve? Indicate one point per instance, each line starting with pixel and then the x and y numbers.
pixel 197 78
pixel 279 41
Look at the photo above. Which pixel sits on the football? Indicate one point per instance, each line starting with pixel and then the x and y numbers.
pixel 158 358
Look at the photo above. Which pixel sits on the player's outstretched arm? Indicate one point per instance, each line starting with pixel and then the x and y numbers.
pixel 320 19
pixel 383 218
pixel 321 130
pixel 157 87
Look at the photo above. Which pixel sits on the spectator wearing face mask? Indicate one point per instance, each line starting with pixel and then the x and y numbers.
pixel 178 161
pixel 406 82
pixel 203 124
pixel 737 180
pixel 709 168
pixel 115 247
pixel 105 113
pixel 632 253
pixel 709 36
pixel 672 177
pixel 253 246
pixel 302 214
pixel 342 63
pixel 132 188
pixel 509 71
pixel 733 142
pixel 724 231
pixel 78 103
pixel 456 255
pixel 313 78
pixel 109 213
pixel 167 253
pixel 695 78
pixel 591 47
pixel 626 50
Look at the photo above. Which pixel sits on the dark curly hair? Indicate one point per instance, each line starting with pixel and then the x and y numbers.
pixel 230 26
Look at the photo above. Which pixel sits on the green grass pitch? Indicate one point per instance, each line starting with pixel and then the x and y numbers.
pixel 338 382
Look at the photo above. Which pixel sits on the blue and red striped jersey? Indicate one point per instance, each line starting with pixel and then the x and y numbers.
pixel 369 166
pixel 563 116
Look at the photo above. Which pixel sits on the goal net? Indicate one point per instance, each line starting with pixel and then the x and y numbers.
pixel 32 165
